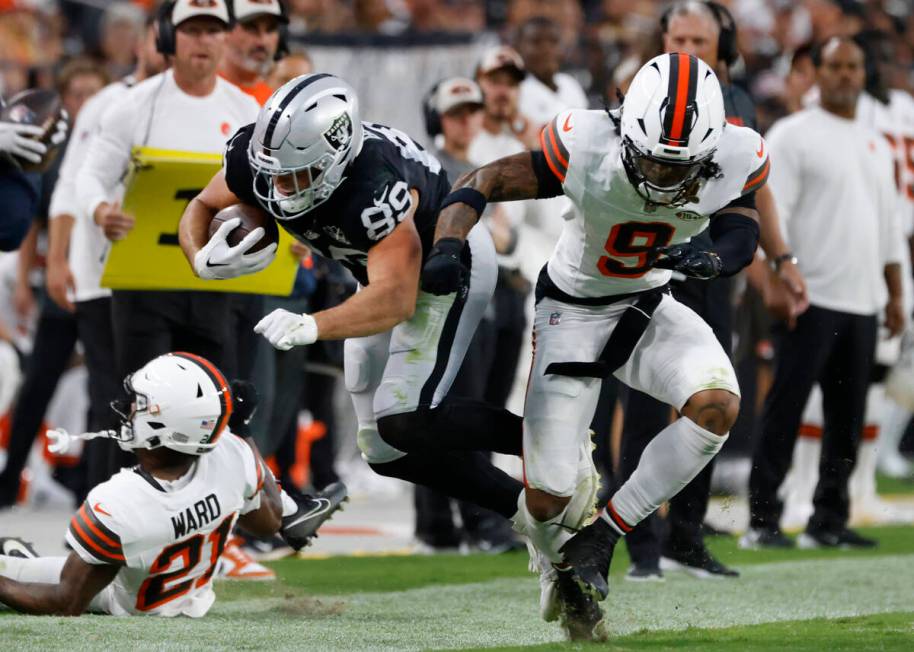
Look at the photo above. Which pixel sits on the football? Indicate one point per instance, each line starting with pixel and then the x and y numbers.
pixel 251 218
pixel 41 108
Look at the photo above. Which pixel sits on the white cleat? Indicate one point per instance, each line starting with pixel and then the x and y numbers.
pixel 550 608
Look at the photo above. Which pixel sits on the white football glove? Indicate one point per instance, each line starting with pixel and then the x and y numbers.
pixel 20 140
pixel 286 329
pixel 218 260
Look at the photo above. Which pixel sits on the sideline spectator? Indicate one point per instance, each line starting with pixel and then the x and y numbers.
pixel 833 185
pixel 55 336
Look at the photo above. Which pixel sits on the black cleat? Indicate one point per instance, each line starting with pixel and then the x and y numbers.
pixel 299 528
pixel 697 562
pixel 16 547
pixel 589 552
pixel 579 613
pixel 837 538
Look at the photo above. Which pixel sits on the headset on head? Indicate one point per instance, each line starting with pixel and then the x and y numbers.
pixel 727 50
pixel 430 114
pixel 165 29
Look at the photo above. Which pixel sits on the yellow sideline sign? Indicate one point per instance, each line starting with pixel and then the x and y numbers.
pixel 159 187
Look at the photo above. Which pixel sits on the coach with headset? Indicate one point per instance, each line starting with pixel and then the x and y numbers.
pixel 186 108
pixel 706 30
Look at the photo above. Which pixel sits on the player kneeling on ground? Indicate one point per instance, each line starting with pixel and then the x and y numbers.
pixel 147 541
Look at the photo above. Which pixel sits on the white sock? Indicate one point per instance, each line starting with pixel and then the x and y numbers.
pixel 43 570
pixel 288 505
pixel 547 536
pixel 675 456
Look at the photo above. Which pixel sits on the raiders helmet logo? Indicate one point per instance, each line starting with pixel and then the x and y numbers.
pixel 340 132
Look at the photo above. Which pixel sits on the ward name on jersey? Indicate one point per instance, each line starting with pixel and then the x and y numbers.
pixel 370 202
pixel 604 246
pixel 167 541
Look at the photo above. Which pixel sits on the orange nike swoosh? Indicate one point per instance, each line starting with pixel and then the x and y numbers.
pixel 566 126
pixel 761 149
pixel 98 508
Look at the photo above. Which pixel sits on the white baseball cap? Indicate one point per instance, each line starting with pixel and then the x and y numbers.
pixel 502 58
pixel 247 9
pixel 455 92
pixel 185 9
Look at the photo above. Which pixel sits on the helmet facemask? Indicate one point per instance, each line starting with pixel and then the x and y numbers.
pixel 662 181
pixel 127 408
pixel 287 193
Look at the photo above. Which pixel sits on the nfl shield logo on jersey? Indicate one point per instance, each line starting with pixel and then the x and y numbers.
pixel 555 318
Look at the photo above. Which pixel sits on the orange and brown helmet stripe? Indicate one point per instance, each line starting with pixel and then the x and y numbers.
pixel 95 537
pixel 679 109
pixel 225 394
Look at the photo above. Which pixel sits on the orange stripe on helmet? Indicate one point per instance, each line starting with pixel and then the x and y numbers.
pixel 221 383
pixel 682 96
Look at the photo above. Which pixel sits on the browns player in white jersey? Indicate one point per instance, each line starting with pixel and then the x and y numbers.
pixel 147 541
pixel 643 182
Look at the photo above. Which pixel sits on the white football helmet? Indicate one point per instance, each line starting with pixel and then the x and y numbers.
pixel 304 138
pixel 178 400
pixel 672 119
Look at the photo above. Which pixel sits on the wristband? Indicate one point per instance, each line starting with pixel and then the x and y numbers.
pixel 469 196
pixel 783 258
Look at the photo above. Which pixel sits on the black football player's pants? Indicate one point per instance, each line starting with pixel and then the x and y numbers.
pixel 835 349
pixel 94 325
pixel 645 417
pixel 150 323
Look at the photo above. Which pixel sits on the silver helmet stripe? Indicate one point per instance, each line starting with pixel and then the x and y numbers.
pixel 286 101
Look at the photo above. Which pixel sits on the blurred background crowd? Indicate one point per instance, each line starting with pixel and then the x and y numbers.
pixel 531 59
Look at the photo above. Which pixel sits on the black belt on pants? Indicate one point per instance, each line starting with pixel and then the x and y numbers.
pixel 624 338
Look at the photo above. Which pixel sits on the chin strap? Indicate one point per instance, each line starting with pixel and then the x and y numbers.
pixel 59 440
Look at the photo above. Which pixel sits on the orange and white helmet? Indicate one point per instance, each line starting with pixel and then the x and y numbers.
pixel 671 122
pixel 179 400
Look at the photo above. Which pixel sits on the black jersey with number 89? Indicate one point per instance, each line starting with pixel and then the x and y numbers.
pixel 367 206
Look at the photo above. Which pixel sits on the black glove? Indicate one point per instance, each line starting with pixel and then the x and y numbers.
pixel 244 403
pixel 443 270
pixel 687 259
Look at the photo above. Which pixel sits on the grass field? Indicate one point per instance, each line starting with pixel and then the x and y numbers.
pixel 804 600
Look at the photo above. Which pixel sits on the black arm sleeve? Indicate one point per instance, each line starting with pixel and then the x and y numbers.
pixel 735 238
pixel 549 184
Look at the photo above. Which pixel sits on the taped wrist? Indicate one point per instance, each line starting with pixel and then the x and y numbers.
pixel 735 239
pixel 469 196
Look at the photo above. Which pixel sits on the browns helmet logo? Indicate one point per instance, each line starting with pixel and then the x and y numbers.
pixel 340 132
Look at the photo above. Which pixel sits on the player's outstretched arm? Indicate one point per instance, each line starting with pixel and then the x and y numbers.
pixel 79 583
pixel 507 179
pixel 388 299
pixel 193 231
pixel 510 178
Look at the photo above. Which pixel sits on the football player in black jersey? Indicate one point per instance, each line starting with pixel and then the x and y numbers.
pixel 368 196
